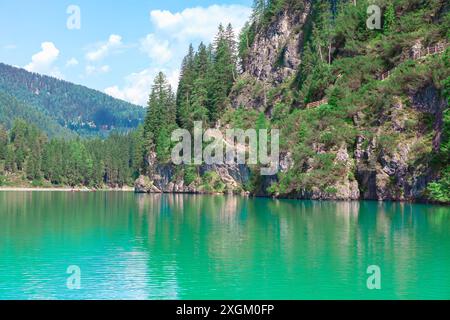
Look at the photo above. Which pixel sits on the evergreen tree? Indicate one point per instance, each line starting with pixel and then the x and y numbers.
pixel 232 45
pixel 10 161
pixel 185 86
pixel 196 107
pixel 33 168
pixel 200 102
pixel 3 142
pixel 202 61
pixel 389 18
pixel 19 141
pixel 137 151
pixel 77 162
pixel 160 114
pixel 259 8
pixel 223 73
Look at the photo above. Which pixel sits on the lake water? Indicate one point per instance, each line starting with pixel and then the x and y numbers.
pixel 131 246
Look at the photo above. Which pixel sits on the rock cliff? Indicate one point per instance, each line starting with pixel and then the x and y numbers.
pixel 388 149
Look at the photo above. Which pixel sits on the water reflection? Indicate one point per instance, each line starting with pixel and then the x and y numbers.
pixel 190 246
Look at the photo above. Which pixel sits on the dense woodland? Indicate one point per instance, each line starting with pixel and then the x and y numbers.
pixel 27 154
pixel 206 79
pixel 341 60
pixel 207 76
pixel 60 108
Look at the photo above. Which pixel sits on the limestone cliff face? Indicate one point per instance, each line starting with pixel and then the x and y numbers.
pixel 273 57
pixel 372 166
pixel 166 178
pixel 403 172
pixel 400 172
pixel 345 188
pixel 275 53
pixel 170 178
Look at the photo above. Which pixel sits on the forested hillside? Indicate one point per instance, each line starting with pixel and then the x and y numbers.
pixel 62 106
pixel 11 109
pixel 29 158
pixel 382 128
pixel 363 113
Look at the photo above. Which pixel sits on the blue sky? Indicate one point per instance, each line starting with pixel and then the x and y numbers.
pixel 120 45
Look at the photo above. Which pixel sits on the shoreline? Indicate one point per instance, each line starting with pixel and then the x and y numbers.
pixel 63 189
pixel 131 189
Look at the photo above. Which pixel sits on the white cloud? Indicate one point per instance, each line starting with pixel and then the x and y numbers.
pixel 42 62
pixel 168 44
pixel 103 49
pixel 72 62
pixel 90 69
pixel 199 22
pixel 173 77
pixel 156 49
pixel 138 85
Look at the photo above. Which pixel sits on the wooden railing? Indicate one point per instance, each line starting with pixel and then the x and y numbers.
pixel 316 103
pixel 429 51
pixel 439 48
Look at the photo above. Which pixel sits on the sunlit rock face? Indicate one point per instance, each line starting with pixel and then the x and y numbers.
pixel 403 172
pixel 273 57
pixel 166 178
pixel 275 52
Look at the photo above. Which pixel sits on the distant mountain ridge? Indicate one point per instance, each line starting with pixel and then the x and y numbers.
pixel 60 107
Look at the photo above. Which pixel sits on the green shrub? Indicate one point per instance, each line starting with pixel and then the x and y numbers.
pixel 331 190
pixel 211 182
pixel 190 174
pixel 440 190
pixel 37 183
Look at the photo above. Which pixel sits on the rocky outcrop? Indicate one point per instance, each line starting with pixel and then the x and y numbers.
pixel 343 189
pixel 390 158
pixel 168 178
pixel 402 173
pixel 428 100
pixel 274 55
pixel 233 175
pixel 374 171
pixel 273 58
pixel 249 93
pixel 144 185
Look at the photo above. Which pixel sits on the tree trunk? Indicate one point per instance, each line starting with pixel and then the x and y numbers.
pixel 320 52
pixel 329 52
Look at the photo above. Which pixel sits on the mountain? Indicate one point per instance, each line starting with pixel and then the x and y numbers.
pixel 62 108
pixel 363 112
pixel 11 109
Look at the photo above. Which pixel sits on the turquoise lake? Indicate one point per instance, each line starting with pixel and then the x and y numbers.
pixel 130 246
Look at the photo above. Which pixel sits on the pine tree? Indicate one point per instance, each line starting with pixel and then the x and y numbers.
pixel 232 45
pixel 33 167
pixel 19 141
pixel 10 161
pixel 196 109
pixel 3 142
pixel 185 87
pixel 389 18
pixel 202 61
pixel 160 114
pixel 259 8
pixel 200 102
pixel 137 151
pixel 222 76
